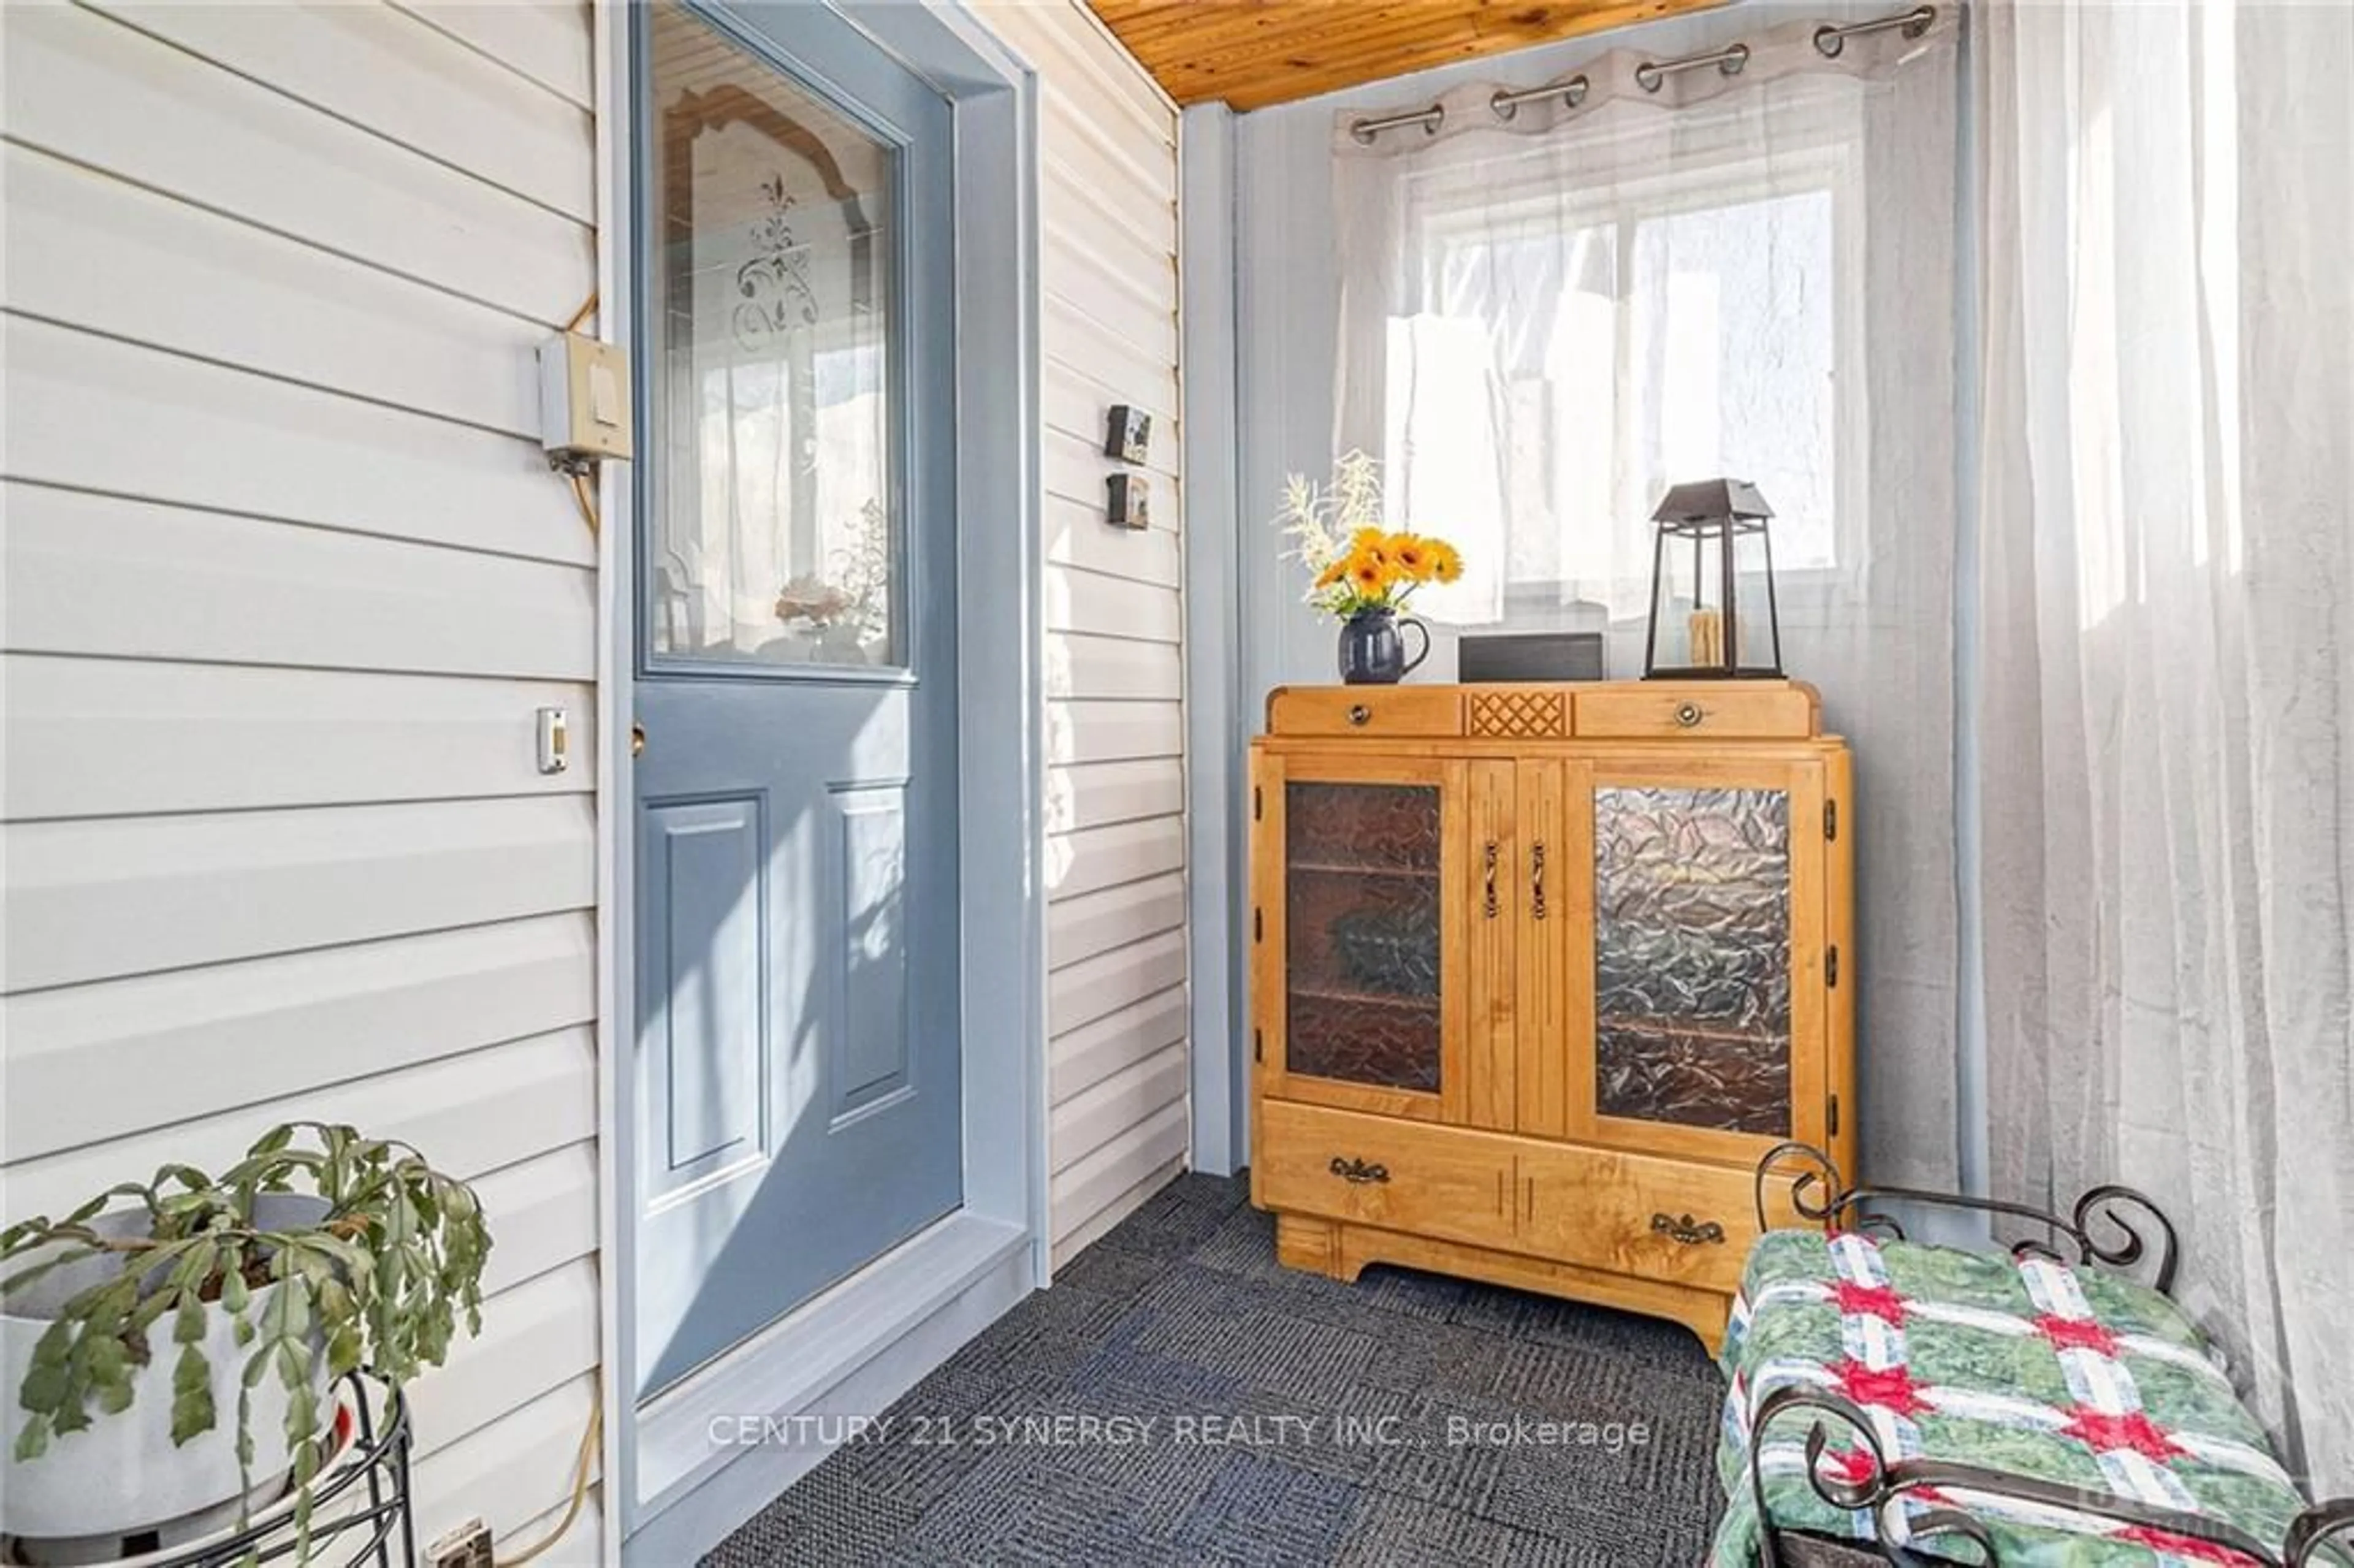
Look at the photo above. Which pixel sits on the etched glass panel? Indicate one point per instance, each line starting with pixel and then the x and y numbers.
pixel 1361 925
pixel 775 533
pixel 1691 957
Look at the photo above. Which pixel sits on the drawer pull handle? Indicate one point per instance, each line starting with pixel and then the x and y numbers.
pixel 1689 1231
pixel 1689 714
pixel 1360 715
pixel 1490 863
pixel 1536 880
pixel 1357 1173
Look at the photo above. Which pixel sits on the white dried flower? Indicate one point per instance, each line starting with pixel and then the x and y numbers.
pixel 1320 523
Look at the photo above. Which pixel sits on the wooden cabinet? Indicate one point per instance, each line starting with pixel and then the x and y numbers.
pixel 1540 971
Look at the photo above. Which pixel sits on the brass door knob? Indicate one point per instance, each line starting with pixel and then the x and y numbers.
pixel 637 740
pixel 1689 714
pixel 1361 715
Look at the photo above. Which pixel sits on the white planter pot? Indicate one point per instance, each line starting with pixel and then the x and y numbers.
pixel 121 1475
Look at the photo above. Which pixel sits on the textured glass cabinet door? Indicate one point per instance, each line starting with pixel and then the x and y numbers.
pixel 1692 957
pixel 1361 885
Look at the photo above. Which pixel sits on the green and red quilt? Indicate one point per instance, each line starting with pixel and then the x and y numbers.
pixel 2024 1366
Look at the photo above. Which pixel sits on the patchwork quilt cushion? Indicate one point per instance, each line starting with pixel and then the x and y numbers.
pixel 2022 1365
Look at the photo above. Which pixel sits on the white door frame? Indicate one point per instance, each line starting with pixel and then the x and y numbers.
pixel 676 1477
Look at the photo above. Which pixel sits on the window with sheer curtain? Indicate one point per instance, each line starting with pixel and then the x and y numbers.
pixel 1576 357
pixel 1549 318
pixel 2168 595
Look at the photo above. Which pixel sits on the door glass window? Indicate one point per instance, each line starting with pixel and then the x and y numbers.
pixel 1362 922
pixel 775 533
pixel 1691 957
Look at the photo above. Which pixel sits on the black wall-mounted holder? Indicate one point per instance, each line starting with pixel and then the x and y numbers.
pixel 1129 505
pixel 1127 434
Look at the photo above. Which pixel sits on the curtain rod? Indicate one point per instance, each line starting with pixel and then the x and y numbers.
pixel 1728 60
pixel 1429 119
pixel 1915 22
pixel 1570 92
pixel 1829 39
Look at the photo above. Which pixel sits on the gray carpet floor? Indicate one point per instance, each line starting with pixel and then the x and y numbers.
pixel 1251 1415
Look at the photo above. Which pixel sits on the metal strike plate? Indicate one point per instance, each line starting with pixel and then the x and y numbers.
pixel 554 740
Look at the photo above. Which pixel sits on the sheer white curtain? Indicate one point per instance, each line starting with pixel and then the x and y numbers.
pixel 1547 320
pixel 2169 789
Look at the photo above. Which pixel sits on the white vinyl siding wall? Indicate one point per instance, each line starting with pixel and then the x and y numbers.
pixel 285 581
pixel 1116 734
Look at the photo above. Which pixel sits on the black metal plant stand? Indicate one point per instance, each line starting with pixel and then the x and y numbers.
pixel 359 1500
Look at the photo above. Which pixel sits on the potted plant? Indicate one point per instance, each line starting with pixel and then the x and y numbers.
pixel 127 1327
pixel 1361 571
pixel 847 612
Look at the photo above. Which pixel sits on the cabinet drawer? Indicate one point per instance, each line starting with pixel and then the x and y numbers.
pixel 1669 710
pixel 1662 1219
pixel 1365 710
pixel 1398 1176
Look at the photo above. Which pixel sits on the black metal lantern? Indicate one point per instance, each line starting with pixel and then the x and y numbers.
pixel 1712 562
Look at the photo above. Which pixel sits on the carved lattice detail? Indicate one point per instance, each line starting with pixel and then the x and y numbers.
pixel 1520 715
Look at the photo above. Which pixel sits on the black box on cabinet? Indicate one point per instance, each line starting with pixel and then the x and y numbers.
pixel 1529 656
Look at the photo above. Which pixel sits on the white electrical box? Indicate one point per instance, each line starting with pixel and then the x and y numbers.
pixel 584 401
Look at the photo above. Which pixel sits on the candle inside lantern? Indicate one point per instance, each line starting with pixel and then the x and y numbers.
pixel 1707 631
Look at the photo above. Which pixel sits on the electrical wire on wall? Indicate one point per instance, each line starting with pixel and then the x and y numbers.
pixel 583 1467
pixel 583 500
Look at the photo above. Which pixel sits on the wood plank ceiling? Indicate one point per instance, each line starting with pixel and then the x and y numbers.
pixel 1254 53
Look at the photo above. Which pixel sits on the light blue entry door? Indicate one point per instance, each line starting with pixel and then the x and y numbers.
pixel 798 1108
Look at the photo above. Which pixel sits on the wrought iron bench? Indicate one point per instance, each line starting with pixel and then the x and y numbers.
pixel 1893 1402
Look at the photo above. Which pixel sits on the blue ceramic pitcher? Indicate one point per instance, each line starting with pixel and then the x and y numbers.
pixel 1372 647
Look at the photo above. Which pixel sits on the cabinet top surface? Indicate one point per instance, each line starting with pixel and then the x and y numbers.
pixel 1711 711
